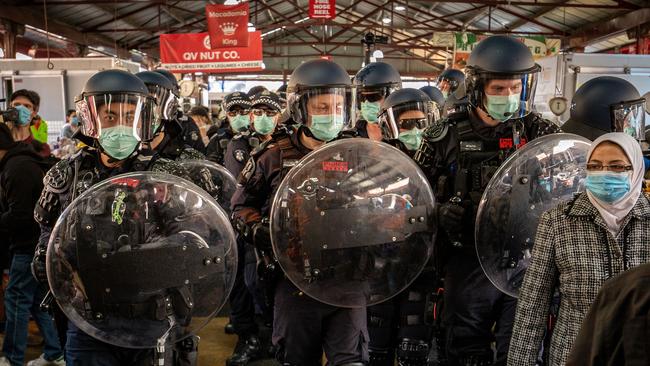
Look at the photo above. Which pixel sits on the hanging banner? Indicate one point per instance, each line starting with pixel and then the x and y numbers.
pixel 539 46
pixel 191 52
pixel 227 25
pixel 322 9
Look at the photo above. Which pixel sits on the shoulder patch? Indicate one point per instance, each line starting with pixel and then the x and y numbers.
pixel 59 177
pixel 239 155
pixel 247 172
pixel 437 131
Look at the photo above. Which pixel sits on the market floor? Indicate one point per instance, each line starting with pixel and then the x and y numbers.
pixel 214 349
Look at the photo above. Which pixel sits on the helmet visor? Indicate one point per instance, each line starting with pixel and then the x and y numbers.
pixel 102 111
pixel 500 85
pixel 405 117
pixel 629 117
pixel 332 102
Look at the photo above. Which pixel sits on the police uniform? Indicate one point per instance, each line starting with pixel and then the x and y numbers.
pixel 302 327
pixel 191 132
pixel 461 154
pixel 68 179
pixel 216 149
pixel 238 151
pixel 361 128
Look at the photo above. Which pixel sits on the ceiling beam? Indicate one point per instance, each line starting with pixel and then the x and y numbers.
pixel 357 44
pixel 119 17
pixel 536 15
pixel 529 19
pixel 619 5
pixel 34 17
pixel 594 32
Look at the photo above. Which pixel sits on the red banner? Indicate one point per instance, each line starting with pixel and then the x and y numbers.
pixel 228 25
pixel 322 9
pixel 191 52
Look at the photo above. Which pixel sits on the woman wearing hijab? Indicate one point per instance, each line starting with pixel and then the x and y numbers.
pixel 581 244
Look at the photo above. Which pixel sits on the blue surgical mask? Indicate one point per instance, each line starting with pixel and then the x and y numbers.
pixel 411 138
pixel 263 124
pixel 502 107
pixel 326 127
pixel 240 123
pixel 118 142
pixel 24 115
pixel 74 121
pixel 608 187
pixel 370 111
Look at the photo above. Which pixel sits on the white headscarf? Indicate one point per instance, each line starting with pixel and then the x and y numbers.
pixel 615 213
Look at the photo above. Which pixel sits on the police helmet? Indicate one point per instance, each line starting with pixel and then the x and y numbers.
pixel 449 81
pixel 508 61
pixel 119 101
pixel 376 81
pixel 606 104
pixel 435 94
pixel 168 74
pixel 316 78
pixel 406 109
pixel 161 89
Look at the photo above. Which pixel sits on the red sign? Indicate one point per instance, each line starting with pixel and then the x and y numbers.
pixel 335 166
pixel 228 25
pixel 191 52
pixel 322 9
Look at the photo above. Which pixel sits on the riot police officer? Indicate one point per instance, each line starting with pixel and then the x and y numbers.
pixel 436 96
pixel 449 81
pixel 265 112
pixel 168 141
pixel 237 106
pixel 373 83
pixel 606 104
pixel 399 327
pixel 190 131
pixel 459 155
pixel 320 104
pixel 117 115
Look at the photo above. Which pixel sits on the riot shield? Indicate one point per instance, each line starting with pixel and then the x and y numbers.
pixel 214 179
pixel 352 223
pixel 545 172
pixel 142 259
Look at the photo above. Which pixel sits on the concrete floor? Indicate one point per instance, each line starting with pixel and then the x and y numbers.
pixel 215 346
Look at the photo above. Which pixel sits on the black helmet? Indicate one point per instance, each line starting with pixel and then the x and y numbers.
pixel 119 102
pixel 393 108
pixel 373 83
pixel 312 79
pixel 508 60
pixel 161 89
pixel 168 74
pixel 256 90
pixel 435 94
pixel 282 93
pixel 606 104
pixel 450 80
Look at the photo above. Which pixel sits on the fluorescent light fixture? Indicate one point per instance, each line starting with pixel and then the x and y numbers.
pixel 378 54
pixel 386 20
pixel 400 8
pixel 198 73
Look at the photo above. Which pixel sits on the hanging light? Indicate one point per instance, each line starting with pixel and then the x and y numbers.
pixel 400 8
pixel 378 54
pixel 386 20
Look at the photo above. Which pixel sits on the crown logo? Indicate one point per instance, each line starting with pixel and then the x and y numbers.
pixel 228 29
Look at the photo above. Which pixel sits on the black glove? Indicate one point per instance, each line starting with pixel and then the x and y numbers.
pixel 450 217
pixel 38 265
pixel 262 237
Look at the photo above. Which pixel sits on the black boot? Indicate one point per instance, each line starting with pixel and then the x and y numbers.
pixel 248 349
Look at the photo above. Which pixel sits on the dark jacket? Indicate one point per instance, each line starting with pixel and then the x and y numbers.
pixel 616 330
pixel 21 183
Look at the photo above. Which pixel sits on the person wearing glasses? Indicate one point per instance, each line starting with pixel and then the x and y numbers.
pixel 372 84
pixel 580 244
pixel 264 114
pixel 238 107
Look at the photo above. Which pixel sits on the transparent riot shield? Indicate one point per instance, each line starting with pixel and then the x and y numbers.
pixel 142 259
pixel 545 172
pixel 352 223
pixel 214 179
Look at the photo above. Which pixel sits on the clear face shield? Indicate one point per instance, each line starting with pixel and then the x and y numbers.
pixel 508 96
pixel 629 118
pixel 326 112
pixel 406 122
pixel 118 121
pixel 367 100
pixel 447 86
pixel 165 104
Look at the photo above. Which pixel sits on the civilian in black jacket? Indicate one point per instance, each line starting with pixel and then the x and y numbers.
pixel 21 183
pixel 616 330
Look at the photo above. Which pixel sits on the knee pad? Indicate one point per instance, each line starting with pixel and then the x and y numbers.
pixel 412 352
